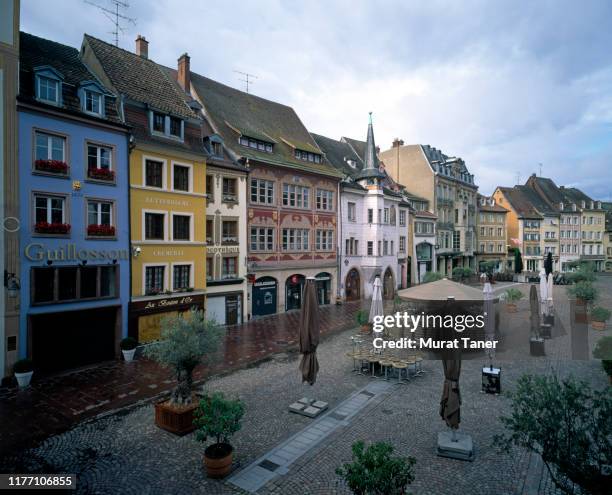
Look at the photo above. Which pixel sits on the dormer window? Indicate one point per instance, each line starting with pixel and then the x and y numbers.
pixel 48 85
pixel 48 89
pixel 256 144
pixel 93 102
pixel 166 125
pixel 352 163
pixel 307 156
pixel 583 203
pixel 561 206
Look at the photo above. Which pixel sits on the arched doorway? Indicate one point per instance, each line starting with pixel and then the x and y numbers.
pixel 352 285
pixel 264 296
pixel 294 287
pixel 388 284
pixel 323 287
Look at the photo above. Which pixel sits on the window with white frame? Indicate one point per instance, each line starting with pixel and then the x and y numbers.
pixel 402 218
pixel 262 239
pixel 296 239
pixel 99 162
pixel 50 147
pixel 352 212
pixel 229 267
pixel 325 200
pixel 351 247
pixel 324 240
pixel 262 191
pixel 402 244
pixel 229 232
pixel 230 190
pixel 99 213
pixel 92 101
pixel 154 226
pixel 307 156
pixel 181 178
pixel 154 174
pixel 181 277
pixel 255 144
pixel 386 215
pixel 49 209
pixel 166 125
pixel 48 89
pixel 181 227
pixel 296 196
pixel 154 279
pixel 370 248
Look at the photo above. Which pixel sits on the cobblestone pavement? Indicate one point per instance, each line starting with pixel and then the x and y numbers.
pixel 55 403
pixel 123 452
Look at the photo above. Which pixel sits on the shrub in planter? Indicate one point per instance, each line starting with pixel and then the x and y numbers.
pixel 23 370
pixel 362 317
pixel 584 292
pixel 603 351
pixel 584 272
pixel 375 470
pixel 432 277
pixel 128 348
pixel 599 316
pixel 219 418
pixel 512 297
pixel 185 341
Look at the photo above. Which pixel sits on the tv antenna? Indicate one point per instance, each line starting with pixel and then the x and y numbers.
pixel 518 178
pixel 540 164
pixel 248 78
pixel 114 16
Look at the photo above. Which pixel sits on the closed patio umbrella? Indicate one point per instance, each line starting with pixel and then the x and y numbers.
pixel 543 292
pixel 376 309
pixel 309 333
pixel 550 293
pixel 450 404
pixel 489 309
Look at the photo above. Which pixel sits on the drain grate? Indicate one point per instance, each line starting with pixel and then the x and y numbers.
pixel 269 465
pixel 337 416
pixel 367 394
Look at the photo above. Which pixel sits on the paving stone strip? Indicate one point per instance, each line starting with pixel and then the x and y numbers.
pixel 277 461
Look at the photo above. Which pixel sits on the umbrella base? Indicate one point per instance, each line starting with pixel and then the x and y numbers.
pixel 462 448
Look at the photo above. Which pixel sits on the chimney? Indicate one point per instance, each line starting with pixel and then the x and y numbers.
pixel 397 142
pixel 183 72
pixel 142 47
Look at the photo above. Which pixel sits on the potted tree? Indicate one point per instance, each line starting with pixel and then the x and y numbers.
pixel 185 340
pixel 584 292
pixel 128 348
pixel 603 351
pixel 23 370
pixel 375 471
pixel 219 418
pixel 362 317
pixel 512 297
pixel 599 316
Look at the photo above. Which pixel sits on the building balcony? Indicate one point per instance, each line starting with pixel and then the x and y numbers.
pixel 445 225
pixel 444 203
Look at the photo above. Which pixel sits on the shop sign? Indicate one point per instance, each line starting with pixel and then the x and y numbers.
pixel 222 249
pixel 265 283
pixel 36 251
pixel 167 303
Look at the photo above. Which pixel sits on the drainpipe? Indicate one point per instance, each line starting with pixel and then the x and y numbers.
pixel 338 243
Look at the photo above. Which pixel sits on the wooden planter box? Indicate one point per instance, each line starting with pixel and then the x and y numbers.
pixel 511 308
pixel 175 419
pixel 598 325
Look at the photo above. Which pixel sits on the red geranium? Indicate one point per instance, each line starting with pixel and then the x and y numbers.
pixel 52 228
pixel 100 230
pixel 53 166
pixel 101 174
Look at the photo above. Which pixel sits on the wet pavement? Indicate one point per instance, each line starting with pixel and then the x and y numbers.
pixel 54 404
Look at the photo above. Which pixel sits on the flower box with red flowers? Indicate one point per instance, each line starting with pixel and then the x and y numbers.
pixel 52 166
pixel 100 230
pixel 52 228
pixel 101 174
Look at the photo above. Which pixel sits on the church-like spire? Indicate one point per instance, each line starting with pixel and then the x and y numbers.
pixel 370 160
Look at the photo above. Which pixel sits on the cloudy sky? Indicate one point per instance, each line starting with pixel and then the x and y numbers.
pixel 505 85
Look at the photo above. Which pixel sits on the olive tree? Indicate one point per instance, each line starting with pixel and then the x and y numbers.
pixel 185 340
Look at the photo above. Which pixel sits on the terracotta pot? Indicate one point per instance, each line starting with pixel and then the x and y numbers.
pixel 511 308
pixel 175 419
pixel 365 328
pixel 598 325
pixel 218 460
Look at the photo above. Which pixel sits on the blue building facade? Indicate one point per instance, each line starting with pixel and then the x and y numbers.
pixel 74 211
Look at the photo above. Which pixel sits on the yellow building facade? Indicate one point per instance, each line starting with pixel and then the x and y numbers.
pixel 168 234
